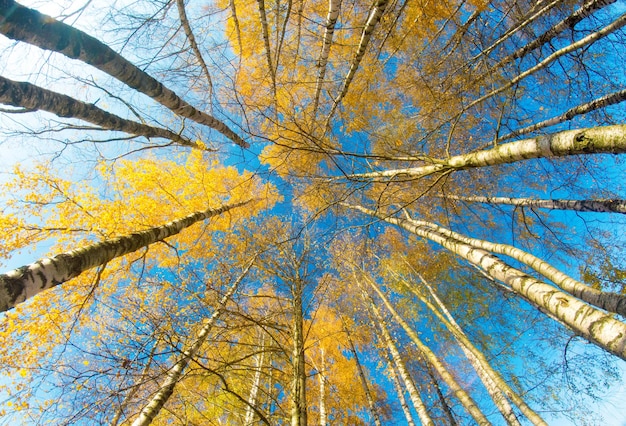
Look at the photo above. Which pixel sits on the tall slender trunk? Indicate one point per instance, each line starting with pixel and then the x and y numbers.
pixel 601 102
pixel 23 24
pixel 393 372
pixel 372 20
pixel 497 387
pixel 579 44
pixel 298 384
pixel 31 97
pixel 129 397
pixel 528 19
pixel 266 43
pixel 322 61
pixel 595 140
pixel 612 302
pixel 594 325
pixel 368 394
pixel 442 400
pixel 385 336
pixel 322 379
pixel 429 356
pixel 598 206
pixel 568 23
pixel 175 374
pixel 481 365
pixel 23 283
pixel 184 22
pixel 256 384
pixel 233 13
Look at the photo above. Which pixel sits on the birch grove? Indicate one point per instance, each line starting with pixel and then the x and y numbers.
pixel 312 212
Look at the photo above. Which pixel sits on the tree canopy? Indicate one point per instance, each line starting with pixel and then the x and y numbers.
pixel 306 212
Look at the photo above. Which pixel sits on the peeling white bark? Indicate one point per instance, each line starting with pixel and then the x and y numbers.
pixel 612 302
pixel 23 283
pixel 329 30
pixel 27 25
pixel 595 140
pixel 594 325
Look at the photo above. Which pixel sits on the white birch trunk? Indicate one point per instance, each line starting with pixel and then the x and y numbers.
pixel 23 24
pixel 366 35
pixel 329 30
pixel 184 22
pixel 612 302
pixel 481 366
pixel 442 400
pixel 399 391
pixel 298 383
pixel 578 15
pixel 468 403
pixel 602 102
pixel 493 381
pixel 591 323
pixel 529 19
pixel 175 374
pixel 585 41
pixel 32 97
pixel 23 283
pixel 418 404
pixel 129 397
pixel 256 384
pixel 362 378
pixel 322 379
pixel 598 206
pixel 266 43
pixel 596 140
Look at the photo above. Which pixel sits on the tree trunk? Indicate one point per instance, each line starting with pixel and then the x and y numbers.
pixel 418 404
pixel 583 42
pixel 481 365
pixel 298 384
pixel 612 302
pixel 256 384
pixel 568 23
pixel 598 206
pixel 429 356
pixel 150 410
pixel 266 43
pixel 368 394
pixel 526 20
pixel 184 22
pixel 322 379
pixel 23 283
pixel 602 102
pixel 23 24
pixel 596 140
pixel 129 397
pixel 331 20
pixel 442 400
pixel 366 35
pixel 29 96
pixel 493 381
pixel 393 372
pixel 594 325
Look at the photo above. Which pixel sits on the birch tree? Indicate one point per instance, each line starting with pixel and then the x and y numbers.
pixel 28 25
pixel 595 325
